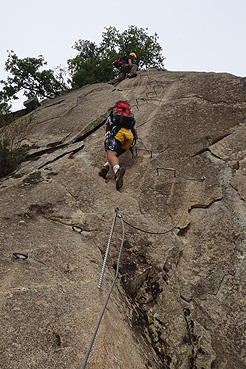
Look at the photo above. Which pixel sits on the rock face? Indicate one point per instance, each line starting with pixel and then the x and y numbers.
pixel 179 300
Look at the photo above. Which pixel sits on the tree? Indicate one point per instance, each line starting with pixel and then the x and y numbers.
pixel 95 63
pixel 25 75
pixel 4 106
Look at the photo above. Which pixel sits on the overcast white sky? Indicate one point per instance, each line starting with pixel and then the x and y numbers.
pixel 195 35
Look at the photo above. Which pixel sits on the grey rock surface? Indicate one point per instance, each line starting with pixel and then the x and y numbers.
pixel 179 300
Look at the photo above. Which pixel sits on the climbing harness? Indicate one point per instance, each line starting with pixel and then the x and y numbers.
pixel 112 286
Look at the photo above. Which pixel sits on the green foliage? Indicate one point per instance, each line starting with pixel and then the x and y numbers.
pixel 140 254
pixel 10 158
pixel 26 75
pixel 4 107
pixel 89 66
pixel 134 39
pixel 95 63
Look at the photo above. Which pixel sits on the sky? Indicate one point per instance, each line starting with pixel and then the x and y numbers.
pixel 195 35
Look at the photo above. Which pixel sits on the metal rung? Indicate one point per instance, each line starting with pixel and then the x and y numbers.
pixel 138 101
pixel 149 151
pixel 158 86
pixel 173 170
pixel 151 93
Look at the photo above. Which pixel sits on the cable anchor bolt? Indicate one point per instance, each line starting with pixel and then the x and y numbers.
pixel 118 214
pixel 77 229
pixel 19 256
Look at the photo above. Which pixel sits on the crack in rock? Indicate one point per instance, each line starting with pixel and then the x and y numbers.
pixel 214 141
pixel 206 205
pixel 72 146
pixel 72 149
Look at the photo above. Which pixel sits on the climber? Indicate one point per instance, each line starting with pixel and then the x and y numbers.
pixel 120 135
pixel 126 66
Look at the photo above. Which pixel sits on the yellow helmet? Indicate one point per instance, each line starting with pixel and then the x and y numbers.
pixel 134 55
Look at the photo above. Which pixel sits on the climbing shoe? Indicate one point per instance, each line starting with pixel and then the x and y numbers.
pixel 104 171
pixel 132 75
pixel 119 178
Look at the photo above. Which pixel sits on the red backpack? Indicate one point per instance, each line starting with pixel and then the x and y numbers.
pixel 122 116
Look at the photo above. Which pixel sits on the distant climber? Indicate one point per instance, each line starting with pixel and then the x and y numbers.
pixel 126 65
pixel 120 135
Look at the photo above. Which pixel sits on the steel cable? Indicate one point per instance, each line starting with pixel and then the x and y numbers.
pixel 110 291
pixel 172 228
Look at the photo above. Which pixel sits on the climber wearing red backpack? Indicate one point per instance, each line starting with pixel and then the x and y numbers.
pixel 120 135
pixel 126 66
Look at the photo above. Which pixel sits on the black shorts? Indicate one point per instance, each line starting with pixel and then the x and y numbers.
pixel 113 144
